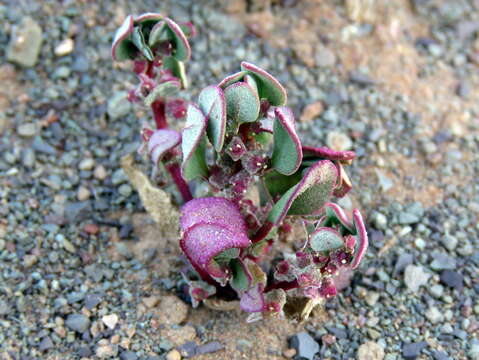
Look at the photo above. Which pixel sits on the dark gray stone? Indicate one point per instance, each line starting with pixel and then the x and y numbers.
pixel 128 355
pixel 45 344
pixel 452 279
pixel 306 347
pixel 412 350
pixel 77 322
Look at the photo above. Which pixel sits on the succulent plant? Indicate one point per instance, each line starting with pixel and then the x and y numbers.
pixel 246 181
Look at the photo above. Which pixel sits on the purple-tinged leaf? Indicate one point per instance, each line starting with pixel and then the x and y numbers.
pixel 203 241
pixel 188 29
pixel 328 154
pixel 236 148
pixel 162 90
pixel 309 195
pixel 182 50
pixel 193 144
pixel 162 141
pixel 252 300
pixel 213 104
pixel 199 291
pixel 242 103
pixel 325 239
pixel 268 87
pixel 149 18
pixel 275 301
pixel 278 184
pixel 177 68
pixel 287 153
pixel 241 278
pixel 327 289
pixel 344 183
pixel 334 214
pixel 122 47
pixel 249 79
pixel 363 241
pixel 231 79
pixel 240 183
pixel 212 210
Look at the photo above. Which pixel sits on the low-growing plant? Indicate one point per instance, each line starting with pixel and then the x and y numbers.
pixel 247 181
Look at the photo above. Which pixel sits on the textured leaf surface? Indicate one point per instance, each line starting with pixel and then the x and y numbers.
pixel 326 239
pixel 157 34
pixel 193 144
pixel 268 87
pixel 309 195
pixel 278 184
pixel 335 215
pixel 202 242
pixel 231 79
pixel 182 50
pixel 213 104
pixel 161 142
pixel 287 153
pixel 242 104
pixel 139 40
pixel 212 210
pixel 122 47
pixel 327 153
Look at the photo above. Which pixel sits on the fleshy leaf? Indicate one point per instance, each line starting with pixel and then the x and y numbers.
pixel 193 144
pixel 148 19
pixel 160 142
pixel 287 153
pixel 138 39
pixel 182 50
pixel 202 242
pixel 278 184
pixel 231 79
pixel 268 87
pixel 309 195
pixel 253 299
pixel 249 79
pixel 157 34
pixel 334 215
pixel 122 47
pixel 241 279
pixel 326 239
pixel 327 153
pixel 177 69
pixel 167 88
pixel 363 241
pixel 212 102
pixel 242 104
pixel 212 210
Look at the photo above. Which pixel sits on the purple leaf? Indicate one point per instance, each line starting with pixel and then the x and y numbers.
pixel 242 103
pixel 193 144
pixel 335 212
pixel 268 87
pixel 182 50
pixel 213 104
pixel 254 162
pixel 231 79
pixel 162 141
pixel 362 239
pixel 122 48
pixel 212 210
pixel 328 154
pixel 236 148
pixel 287 153
pixel 309 195
pixel 253 299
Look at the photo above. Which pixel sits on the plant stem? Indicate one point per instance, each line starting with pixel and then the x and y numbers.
pixel 285 285
pixel 158 107
pixel 262 232
pixel 175 172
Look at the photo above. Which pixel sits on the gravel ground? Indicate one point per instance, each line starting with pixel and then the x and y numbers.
pixel 83 271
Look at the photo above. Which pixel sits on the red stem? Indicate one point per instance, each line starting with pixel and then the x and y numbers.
pixel 285 285
pixel 262 232
pixel 158 108
pixel 175 172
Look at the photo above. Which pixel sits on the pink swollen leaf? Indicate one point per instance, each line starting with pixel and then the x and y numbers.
pixel 162 141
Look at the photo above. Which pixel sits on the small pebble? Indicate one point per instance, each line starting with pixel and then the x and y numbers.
pixel 370 351
pixel 110 320
pixel 65 47
pixel 173 355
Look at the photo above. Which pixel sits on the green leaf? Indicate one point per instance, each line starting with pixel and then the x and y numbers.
pixel 278 184
pixel 157 34
pixel 287 153
pixel 240 280
pixel 212 102
pixel 182 50
pixel 242 104
pixel 177 69
pixel 249 79
pixel 138 39
pixel 168 88
pixel 193 144
pixel 122 48
pixel 231 79
pixel 326 239
pixel 268 87
pixel 309 195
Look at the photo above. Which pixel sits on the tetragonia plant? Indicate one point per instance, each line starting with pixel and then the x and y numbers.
pixel 246 181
